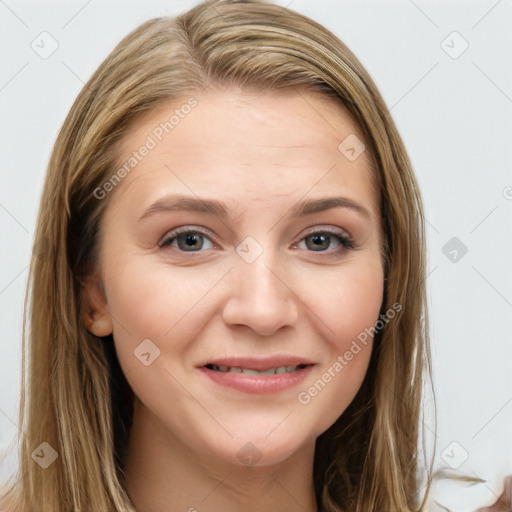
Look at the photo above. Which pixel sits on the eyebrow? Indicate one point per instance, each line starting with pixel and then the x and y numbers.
pixel 220 209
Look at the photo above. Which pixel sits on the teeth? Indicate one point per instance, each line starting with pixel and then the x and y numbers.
pixel 246 371
pixel 256 372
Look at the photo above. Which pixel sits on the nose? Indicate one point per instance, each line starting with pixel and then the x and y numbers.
pixel 261 296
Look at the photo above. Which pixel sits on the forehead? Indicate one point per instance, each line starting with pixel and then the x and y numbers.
pixel 278 143
pixel 285 119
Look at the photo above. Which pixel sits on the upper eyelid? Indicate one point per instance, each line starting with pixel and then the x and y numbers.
pixel 186 229
pixel 328 229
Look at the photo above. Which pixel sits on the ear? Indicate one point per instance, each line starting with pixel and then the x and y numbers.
pixel 94 307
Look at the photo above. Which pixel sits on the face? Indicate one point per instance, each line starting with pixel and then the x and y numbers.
pixel 234 321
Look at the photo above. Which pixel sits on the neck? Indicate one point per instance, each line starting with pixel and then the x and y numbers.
pixel 164 474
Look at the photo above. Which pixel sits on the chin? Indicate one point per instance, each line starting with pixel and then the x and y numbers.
pixel 259 450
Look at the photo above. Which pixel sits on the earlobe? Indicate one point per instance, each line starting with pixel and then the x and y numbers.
pixel 94 307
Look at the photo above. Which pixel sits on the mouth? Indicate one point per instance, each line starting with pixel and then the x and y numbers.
pixel 277 370
pixel 257 375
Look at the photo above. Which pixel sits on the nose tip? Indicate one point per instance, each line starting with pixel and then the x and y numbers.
pixel 260 298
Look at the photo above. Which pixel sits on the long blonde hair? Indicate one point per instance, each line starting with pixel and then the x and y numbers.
pixel 74 395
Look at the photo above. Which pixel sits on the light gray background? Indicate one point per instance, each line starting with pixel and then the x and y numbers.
pixel 454 113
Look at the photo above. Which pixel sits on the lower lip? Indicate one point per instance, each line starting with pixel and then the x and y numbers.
pixel 256 384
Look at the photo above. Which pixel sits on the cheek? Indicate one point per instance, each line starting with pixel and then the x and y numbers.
pixel 148 300
pixel 355 309
pixel 345 301
pixel 357 304
pixel 348 303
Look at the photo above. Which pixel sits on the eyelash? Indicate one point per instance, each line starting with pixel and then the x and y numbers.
pixel 347 243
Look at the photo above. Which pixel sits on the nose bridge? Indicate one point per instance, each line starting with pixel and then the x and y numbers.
pixel 258 264
pixel 260 297
pixel 261 273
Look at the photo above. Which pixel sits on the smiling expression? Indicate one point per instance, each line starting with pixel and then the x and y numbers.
pixel 243 253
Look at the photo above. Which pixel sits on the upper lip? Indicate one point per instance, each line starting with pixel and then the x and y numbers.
pixel 260 363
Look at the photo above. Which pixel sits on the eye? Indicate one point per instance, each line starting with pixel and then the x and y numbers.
pixel 320 240
pixel 187 240
pixel 193 240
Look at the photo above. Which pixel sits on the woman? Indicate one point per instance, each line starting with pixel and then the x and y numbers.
pixel 278 367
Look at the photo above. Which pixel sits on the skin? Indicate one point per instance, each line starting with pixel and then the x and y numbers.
pixel 260 153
